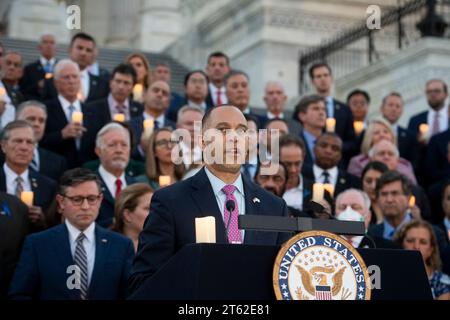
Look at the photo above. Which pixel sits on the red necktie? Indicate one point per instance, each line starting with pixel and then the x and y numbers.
pixel 118 188
pixel 219 98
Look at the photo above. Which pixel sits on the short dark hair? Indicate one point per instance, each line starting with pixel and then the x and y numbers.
pixel 125 68
pixel 391 94
pixel 286 174
pixel 376 166
pixel 83 36
pixel 390 177
pixel 304 103
pixel 234 73
pixel 74 177
pixel 330 134
pixel 16 124
pixel 444 85
pixel 250 117
pixel 190 73
pixel 316 66
pixel 365 94
pixel 291 140
pixel 275 120
pixel 219 54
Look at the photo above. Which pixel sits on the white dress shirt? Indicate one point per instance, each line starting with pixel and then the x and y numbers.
pixel 217 186
pixel 84 78
pixel 320 178
pixel 44 61
pixel 213 90
pixel 161 119
pixel 10 111
pixel 271 116
pixel 11 183
pixel 294 196
pixel 443 119
pixel 110 180
pixel 88 244
pixel 66 104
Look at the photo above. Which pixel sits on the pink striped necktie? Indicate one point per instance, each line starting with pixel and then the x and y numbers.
pixel 234 235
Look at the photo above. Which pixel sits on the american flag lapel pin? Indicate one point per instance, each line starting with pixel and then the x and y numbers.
pixel 256 200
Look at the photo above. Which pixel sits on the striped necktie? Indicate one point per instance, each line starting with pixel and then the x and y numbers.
pixel 81 261
pixel 19 186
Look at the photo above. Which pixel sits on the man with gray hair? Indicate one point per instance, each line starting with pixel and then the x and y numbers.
pixel 354 205
pixel 64 133
pixel 186 119
pixel 275 100
pixel 112 146
pixel 45 162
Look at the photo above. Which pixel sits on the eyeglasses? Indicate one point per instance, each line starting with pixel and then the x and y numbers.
pixel 165 143
pixel 79 200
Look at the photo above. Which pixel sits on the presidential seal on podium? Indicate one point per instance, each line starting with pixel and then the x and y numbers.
pixel 319 265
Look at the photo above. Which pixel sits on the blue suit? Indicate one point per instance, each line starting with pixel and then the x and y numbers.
pixel 41 271
pixel 416 121
pixel 171 222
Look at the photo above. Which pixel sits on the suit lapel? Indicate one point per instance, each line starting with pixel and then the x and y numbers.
pixel 341 183
pixel 101 253
pixel 106 194
pixel 204 197
pixel 2 180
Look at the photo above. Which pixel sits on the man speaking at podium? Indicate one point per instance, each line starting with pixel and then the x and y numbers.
pixel 216 190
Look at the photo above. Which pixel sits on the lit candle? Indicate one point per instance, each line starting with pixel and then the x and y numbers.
pixel 77 117
pixel 149 124
pixel 164 181
pixel 330 188
pixel 358 126
pixel 27 197
pixel 137 92
pixel 423 128
pixel 331 124
pixel 2 93
pixel 48 75
pixel 205 230
pixel 119 117
pixel 318 190
pixel 412 201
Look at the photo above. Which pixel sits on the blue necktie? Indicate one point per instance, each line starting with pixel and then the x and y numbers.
pixel 48 67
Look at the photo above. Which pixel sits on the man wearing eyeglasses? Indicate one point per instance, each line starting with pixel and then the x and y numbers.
pixel 77 260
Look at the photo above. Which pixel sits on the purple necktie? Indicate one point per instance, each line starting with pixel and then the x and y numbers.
pixel 234 235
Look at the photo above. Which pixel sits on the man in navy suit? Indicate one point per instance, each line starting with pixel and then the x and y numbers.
pixel 77 259
pixel 33 80
pixel 437 160
pixel 71 139
pixel 215 190
pixel 156 102
pixel 113 150
pixel 18 143
pixel 322 80
pixel 118 101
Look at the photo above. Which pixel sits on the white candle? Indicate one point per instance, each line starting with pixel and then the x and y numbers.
pixel 77 117
pixel 412 201
pixel 423 128
pixel 164 181
pixel 119 117
pixel 149 124
pixel 318 191
pixel 2 94
pixel 358 126
pixel 205 230
pixel 331 124
pixel 138 89
pixel 330 188
pixel 48 75
pixel 27 197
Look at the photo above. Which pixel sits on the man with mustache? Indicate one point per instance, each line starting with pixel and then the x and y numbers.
pixel 113 150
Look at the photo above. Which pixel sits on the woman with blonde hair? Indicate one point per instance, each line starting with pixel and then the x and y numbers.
pixel 131 209
pixel 143 71
pixel 159 162
pixel 419 235
pixel 379 129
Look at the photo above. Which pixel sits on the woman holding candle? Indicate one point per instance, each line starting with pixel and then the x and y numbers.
pixel 131 209
pixel 159 163
pixel 419 235
pixel 143 72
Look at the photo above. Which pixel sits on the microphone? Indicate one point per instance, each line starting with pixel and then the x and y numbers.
pixel 230 206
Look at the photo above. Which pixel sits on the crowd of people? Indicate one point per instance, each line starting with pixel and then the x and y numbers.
pixel 96 148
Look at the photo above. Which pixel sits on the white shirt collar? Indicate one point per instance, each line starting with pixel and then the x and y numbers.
pixel 74 232
pixel 110 180
pixel 44 61
pixel 270 115
pixel 442 113
pixel 65 103
pixel 160 119
pixel 319 171
pixel 218 184
pixel 214 89
pixel 11 177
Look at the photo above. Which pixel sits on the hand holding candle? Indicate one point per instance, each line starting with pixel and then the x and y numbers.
pixel 358 126
pixel 138 89
pixel 329 188
pixel 27 197
pixel 318 190
pixel 164 181
pixel 423 129
pixel 77 117
pixel 331 124
pixel 119 117
pixel 149 124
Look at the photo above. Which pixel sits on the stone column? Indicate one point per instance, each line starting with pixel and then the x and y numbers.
pixel 123 20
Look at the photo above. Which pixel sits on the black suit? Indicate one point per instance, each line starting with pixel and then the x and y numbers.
pixel 102 106
pixel 33 74
pixel 53 141
pixel 344 129
pixel 408 146
pixel 15 94
pixel 13 229
pixel 106 212
pixel 172 112
pixel 436 162
pixel 51 165
pixel 170 224
pixel 416 121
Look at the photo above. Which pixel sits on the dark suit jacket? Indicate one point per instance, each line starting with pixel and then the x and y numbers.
pixel 307 196
pixel 51 165
pixel 416 121
pixel 16 96
pixel 13 229
pixel 33 73
pixel 102 106
pixel 137 126
pixel 171 222
pixel 408 146
pixel 41 271
pixel 344 129
pixel 106 213
pixel 308 161
pixel 43 187
pixel 172 112
pixel 436 162
pixel 53 141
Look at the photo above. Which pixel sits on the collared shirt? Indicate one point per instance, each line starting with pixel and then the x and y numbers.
pixel 294 196
pixel 88 244
pixel 271 116
pixel 110 180
pixel 10 111
pixel 223 96
pixel 310 142
pixel 44 61
pixel 217 186
pixel 320 178
pixel 113 104
pixel 443 118
pixel 201 105
pixel 190 156
pixel 395 128
pixel 390 230
pixel 94 69
pixel 11 183
pixel 161 119
pixel 36 158
pixel 84 78
pixel 330 106
pixel 66 104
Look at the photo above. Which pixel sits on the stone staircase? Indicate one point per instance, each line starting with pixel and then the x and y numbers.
pixel 108 58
